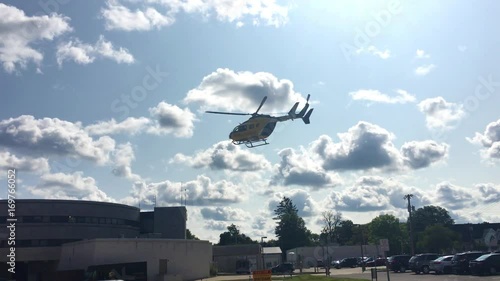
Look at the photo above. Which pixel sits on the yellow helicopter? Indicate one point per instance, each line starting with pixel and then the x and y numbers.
pixel 255 131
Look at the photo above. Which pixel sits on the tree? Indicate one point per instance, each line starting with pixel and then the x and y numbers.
pixel 430 215
pixel 345 232
pixel 191 236
pixel 290 229
pixel 438 239
pixel 233 236
pixel 405 240
pixel 386 227
pixel 331 223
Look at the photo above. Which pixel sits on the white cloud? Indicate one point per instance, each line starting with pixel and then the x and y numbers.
pixel 305 204
pixel 370 95
pixel 199 192
pixel 225 214
pixel 131 125
pixel 20 32
pixel 147 17
pixel 224 156
pixel 216 225
pixel 299 168
pixel 375 193
pixel 367 146
pixel 123 157
pixel 422 154
pixel 421 54
pixel 171 119
pixel 69 186
pixel 364 146
pixel 52 136
pixel 455 197
pixel 490 192
pixel 440 114
pixel 82 53
pixel 424 69
pixel 28 164
pixel 374 51
pixel 120 17
pixel 490 140
pixel 227 90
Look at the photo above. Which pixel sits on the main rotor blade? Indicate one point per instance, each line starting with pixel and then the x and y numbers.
pixel 228 113
pixel 261 103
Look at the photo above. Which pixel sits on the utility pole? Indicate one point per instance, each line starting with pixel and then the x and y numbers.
pixel 410 220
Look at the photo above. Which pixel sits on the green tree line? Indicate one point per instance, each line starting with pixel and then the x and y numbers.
pixel 431 228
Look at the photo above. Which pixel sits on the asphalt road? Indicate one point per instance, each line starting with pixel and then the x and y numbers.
pixel 381 276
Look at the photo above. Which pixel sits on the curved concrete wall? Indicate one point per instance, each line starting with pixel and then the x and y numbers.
pixel 70 220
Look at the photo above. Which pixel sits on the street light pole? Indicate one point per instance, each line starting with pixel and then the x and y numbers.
pixel 262 251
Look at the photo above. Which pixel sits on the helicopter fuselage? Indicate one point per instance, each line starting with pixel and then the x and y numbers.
pixel 254 129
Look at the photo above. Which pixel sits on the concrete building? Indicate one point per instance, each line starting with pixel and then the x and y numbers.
pixel 238 258
pixel 164 259
pixel 44 226
pixel 271 256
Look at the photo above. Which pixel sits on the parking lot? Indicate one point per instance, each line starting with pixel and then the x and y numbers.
pixel 381 275
pixel 408 276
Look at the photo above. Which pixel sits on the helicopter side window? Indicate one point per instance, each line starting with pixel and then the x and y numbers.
pixel 240 128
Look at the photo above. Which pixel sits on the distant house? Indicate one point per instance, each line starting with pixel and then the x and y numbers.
pixel 271 256
pixel 241 258
pixel 481 236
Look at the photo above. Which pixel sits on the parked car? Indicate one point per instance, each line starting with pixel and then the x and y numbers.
pixel 420 263
pixel 362 260
pixel 347 262
pixel 284 268
pixel 398 263
pixel 486 264
pixel 376 262
pixel 441 264
pixel 320 263
pixel 460 262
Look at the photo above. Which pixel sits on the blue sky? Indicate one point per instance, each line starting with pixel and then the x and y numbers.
pixel 105 100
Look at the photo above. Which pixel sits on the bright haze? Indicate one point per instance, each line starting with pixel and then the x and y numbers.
pixel 106 100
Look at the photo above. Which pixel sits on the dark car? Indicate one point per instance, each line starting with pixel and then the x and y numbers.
pixel 420 263
pixel 460 262
pixel 286 268
pixel 376 262
pixel 398 263
pixel 347 262
pixel 486 264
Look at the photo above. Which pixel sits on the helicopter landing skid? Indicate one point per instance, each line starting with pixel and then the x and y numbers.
pixel 251 144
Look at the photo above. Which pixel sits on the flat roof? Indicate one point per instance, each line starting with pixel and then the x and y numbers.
pixel 271 250
pixel 71 201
